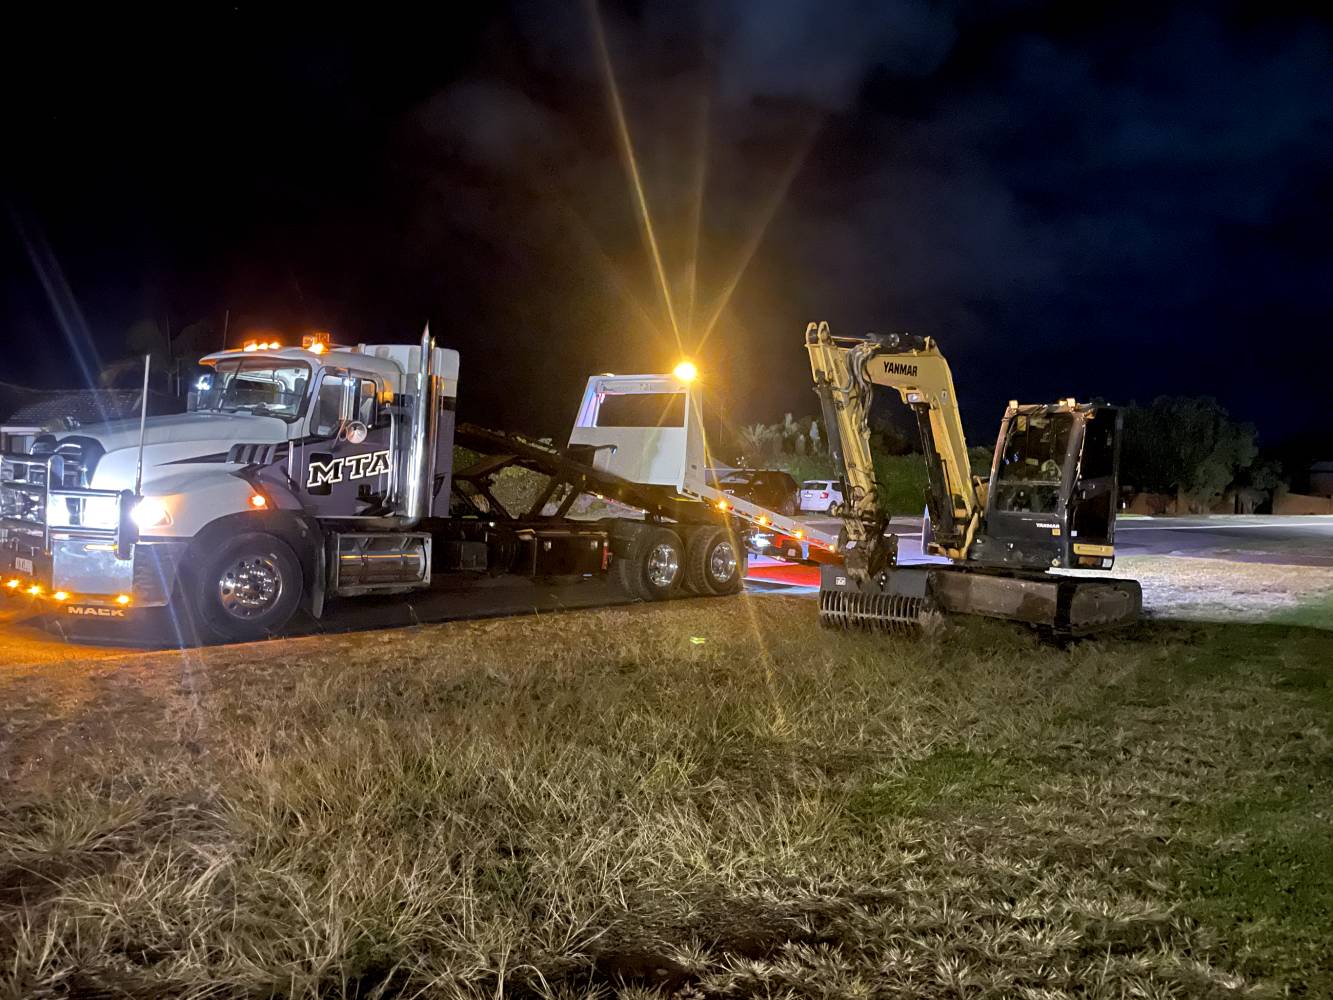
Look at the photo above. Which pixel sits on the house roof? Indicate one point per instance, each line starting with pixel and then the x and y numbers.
pixel 40 408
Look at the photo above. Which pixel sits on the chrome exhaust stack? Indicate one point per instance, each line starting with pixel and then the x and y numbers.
pixel 419 461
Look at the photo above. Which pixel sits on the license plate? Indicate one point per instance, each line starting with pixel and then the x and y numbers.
pixel 23 565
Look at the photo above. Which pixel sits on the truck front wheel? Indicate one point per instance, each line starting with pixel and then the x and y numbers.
pixel 247 588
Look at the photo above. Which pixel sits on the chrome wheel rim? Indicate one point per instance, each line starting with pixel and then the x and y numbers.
pixel 722 562
pixel 250 586
pixel 663 564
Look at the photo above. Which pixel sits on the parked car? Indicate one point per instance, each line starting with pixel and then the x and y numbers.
pixel 768 488
pixel 822 495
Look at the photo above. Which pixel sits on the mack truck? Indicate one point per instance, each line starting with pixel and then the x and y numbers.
pixel 300 475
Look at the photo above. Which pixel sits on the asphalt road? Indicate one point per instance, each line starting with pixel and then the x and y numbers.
pixel 26 641
pixel 1296 541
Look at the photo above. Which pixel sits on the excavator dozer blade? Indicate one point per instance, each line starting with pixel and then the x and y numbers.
pixel 901 598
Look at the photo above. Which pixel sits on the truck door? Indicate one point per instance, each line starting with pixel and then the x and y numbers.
pixel 1094 492
pixel 347 453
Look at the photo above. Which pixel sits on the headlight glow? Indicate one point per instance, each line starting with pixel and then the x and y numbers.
pixel 150 512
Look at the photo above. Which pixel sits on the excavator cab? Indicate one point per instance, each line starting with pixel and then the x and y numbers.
pixel 1050 500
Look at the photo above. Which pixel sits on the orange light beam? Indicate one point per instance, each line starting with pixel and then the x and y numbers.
pixel 697 207
pixel 632 163
pixel 766 219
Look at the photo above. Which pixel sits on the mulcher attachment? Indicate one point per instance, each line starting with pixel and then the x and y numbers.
pixel 901 597
pixel 897 602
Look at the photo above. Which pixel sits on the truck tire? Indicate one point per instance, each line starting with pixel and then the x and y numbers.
pixel 652 564
pixel 246 588
pixel 715 562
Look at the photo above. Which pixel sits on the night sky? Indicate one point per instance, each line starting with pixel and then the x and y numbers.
pixel 1116 201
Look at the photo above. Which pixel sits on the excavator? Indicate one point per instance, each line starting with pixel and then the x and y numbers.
pixel 1048 506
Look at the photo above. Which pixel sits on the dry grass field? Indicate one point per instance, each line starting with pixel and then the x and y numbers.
pixel 708 798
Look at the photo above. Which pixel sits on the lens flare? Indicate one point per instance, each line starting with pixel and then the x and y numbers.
pixel 632 164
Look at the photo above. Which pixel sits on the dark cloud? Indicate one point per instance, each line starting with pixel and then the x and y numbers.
pixel 1116 201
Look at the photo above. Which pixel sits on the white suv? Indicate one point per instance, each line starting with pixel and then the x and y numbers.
pixel 822 495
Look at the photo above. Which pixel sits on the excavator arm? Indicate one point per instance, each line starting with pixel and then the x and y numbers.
pixel 845 373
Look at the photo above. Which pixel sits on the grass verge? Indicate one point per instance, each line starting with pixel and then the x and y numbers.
pixel 711 798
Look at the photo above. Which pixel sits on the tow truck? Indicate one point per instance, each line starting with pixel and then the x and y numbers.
pixel 305 475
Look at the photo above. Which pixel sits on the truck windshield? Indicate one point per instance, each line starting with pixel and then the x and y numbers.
pixel 252 385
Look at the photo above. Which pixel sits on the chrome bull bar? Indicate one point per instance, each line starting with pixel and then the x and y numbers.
pixel 27 507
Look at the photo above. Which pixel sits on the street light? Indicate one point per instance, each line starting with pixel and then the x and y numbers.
pixel 686 371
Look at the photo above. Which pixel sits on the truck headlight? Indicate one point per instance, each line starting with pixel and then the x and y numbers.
pixel 82 512
pixel 150 513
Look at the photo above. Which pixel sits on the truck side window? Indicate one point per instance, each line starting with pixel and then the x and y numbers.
pixel 328 405
pixel 367 402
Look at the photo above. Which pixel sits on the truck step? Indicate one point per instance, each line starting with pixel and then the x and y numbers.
pixel 380 562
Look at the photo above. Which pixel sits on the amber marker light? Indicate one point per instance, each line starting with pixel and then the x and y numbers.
pixel 686 371
pixel 60 595
pixel 122 599
pixel 35 590
pixel 258 501
pixel 12 584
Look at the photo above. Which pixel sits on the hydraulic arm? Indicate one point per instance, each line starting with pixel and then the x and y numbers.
pixel 846 372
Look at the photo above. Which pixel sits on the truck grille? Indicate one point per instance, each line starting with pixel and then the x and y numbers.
pixel 24 487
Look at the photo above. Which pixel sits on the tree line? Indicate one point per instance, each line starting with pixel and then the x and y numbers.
pixel 1187 447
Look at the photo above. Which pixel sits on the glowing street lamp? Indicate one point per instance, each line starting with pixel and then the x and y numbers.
pixel 686 371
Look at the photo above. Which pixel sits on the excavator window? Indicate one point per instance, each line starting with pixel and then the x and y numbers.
pixel 1032 463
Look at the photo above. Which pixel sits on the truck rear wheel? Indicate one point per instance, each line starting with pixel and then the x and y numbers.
pixel 715 562
pixel 652 567
pixel 247 588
